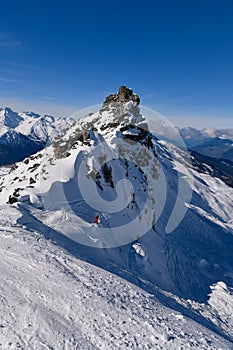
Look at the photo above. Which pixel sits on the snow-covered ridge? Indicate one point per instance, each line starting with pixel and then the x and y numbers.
pixel 181 268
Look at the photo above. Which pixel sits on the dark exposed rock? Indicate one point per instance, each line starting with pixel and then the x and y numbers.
pixel 124 94
pixel 16 192
pixel 32 181
pixel 12 200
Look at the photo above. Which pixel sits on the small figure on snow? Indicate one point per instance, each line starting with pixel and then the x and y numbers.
pixel 97 220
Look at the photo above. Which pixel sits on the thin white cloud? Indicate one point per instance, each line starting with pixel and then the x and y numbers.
pixel 7 40
pixel 26 67
pixel 8 80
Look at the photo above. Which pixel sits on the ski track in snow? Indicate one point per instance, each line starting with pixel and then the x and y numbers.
pixel 51 300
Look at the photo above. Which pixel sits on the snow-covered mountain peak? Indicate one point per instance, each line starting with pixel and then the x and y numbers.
pixel 22 134
pixel 118 110
pixel 111 155
pixel 9 118
pixel 33 125
pixel 30 114
pixel 109 165
pixel 122 107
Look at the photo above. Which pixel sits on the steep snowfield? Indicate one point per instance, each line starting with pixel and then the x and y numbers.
pixel 52 300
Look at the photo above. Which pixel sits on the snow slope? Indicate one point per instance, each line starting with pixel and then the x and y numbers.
pixel 52 300
pixel 166 225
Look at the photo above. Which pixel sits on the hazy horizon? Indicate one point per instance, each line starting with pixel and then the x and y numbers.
pixel 197 121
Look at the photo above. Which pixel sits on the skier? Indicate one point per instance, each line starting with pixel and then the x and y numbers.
pixel 97 220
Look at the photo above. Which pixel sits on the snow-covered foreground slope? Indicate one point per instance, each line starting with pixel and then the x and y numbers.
pixel 52 300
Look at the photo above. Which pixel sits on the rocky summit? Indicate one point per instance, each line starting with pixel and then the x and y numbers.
pixel 124 94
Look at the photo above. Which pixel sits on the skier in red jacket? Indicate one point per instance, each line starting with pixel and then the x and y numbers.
pixel 97 219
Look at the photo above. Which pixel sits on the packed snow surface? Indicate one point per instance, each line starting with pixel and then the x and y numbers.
pixel 52 300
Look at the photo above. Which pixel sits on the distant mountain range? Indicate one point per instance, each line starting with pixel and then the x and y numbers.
pixel 209 142
pixel 217 148
pixel 23 134
pixel 194 137
pixel 215 143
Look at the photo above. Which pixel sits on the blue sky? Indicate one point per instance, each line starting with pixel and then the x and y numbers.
pixel 60 56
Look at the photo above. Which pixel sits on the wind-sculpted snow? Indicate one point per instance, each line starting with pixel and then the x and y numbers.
pixel 221 300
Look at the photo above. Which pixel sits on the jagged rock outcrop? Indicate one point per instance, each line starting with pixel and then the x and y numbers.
pixel 124 94
pixel 115 112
